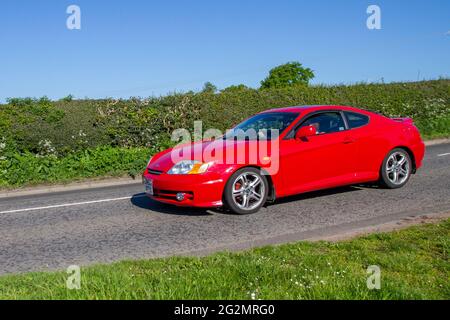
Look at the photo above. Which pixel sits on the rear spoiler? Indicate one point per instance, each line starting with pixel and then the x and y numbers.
pixel 404 120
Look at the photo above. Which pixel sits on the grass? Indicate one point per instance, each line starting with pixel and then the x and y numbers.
pixel 414 265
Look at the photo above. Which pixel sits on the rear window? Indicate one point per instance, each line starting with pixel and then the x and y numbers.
pixel 356 120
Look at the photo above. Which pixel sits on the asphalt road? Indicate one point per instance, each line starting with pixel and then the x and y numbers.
pixel 56 230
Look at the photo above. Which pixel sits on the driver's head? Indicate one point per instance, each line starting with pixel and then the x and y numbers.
pixel 316 125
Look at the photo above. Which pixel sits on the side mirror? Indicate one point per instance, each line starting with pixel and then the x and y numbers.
pixel 305 132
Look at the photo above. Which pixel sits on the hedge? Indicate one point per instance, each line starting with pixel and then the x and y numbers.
pixel 57 130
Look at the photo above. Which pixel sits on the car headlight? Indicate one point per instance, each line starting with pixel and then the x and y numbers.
pixel 189 167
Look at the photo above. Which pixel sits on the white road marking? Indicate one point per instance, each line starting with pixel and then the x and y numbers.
pixel 70 204
pixel 444 154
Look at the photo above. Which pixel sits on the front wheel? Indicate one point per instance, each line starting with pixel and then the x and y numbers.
pixel 396 169
pixel 246 191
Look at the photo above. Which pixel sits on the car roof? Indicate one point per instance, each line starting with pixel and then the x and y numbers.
pixel 313 108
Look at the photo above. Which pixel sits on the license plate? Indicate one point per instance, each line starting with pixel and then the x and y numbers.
pixel 149 187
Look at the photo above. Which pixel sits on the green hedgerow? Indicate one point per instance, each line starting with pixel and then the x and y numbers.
pixel 59 139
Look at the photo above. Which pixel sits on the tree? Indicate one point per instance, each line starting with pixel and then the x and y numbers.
pixel 236 88
pixel 68 98
pixel 286 75
pixel 208 87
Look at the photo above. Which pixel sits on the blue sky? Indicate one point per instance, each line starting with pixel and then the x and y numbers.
pixel 143 48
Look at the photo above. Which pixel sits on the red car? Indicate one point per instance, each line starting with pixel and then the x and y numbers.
pixel 313 147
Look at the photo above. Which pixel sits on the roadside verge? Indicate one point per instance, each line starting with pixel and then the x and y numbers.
pixel 408 264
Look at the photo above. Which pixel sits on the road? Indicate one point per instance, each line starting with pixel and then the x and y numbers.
pixel 53 231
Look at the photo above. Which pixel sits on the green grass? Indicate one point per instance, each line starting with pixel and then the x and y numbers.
pixel 414 265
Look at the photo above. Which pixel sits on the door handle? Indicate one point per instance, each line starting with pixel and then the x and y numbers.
pixel 348 140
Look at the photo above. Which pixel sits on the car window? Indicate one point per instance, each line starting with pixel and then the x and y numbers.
pixel 356 120
pixel 327 122
pixel 263 125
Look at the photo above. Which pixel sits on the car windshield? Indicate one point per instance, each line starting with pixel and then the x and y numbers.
pixel 264 126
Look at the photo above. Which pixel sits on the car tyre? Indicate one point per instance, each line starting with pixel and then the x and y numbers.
pixel 396 169
pixel 246 191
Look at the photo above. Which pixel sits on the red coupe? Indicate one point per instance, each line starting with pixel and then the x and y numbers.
pixel 294 150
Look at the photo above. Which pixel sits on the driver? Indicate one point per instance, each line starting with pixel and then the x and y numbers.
pixel 317 126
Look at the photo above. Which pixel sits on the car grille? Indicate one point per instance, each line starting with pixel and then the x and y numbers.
pixel 156 172
pixel 171 195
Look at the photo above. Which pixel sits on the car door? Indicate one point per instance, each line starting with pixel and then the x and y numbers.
pixel 364 142
pixel 321 161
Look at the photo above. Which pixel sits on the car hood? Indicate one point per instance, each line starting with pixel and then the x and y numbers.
pixel 226 152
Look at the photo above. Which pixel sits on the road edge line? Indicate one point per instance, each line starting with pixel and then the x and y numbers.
pixel 73 186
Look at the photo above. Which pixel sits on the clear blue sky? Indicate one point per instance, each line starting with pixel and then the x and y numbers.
pixel 143 48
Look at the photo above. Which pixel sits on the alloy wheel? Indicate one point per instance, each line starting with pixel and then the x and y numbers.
pixel 248 191
pixel 397 168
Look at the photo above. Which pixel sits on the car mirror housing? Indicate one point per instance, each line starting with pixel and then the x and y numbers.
pixel 305 132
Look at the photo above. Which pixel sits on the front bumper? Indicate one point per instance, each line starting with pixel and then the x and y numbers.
pixel 200 190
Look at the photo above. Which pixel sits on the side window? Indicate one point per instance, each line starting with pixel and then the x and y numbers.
pixel 327 122
pixel 356 120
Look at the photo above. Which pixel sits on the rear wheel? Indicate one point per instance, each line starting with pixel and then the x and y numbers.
pixel 246 191
pixel 396 169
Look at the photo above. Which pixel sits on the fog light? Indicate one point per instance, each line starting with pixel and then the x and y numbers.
pixel 180 196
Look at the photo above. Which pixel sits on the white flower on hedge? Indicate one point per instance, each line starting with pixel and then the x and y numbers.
pixel 2 143
pixel 2 147
pixel 46 147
